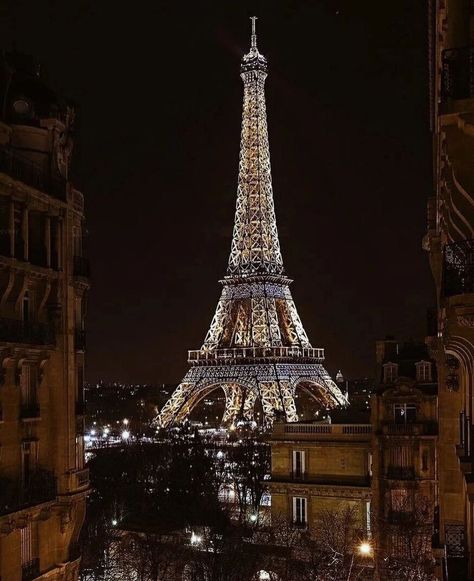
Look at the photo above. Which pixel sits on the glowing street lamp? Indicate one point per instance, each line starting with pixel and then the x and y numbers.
pixel 365 549
pixel 125 435
pixel 125 422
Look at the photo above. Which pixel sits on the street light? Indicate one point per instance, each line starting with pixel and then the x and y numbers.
pixel 125 422
pixel 365 549
pixel 125 435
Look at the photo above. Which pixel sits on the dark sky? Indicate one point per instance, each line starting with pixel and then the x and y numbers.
pixel 159 96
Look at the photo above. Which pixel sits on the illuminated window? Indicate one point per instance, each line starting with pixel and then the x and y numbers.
pixel 404 413
pixel 79 451
pixel 390 372
pixel 298 463
pixel 423 371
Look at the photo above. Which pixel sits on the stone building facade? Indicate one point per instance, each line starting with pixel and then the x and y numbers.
pixel 405 461
pixel 320 467
pixel 43 287
pixel 450 245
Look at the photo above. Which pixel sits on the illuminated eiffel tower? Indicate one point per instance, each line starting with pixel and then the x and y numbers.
pixel 256 347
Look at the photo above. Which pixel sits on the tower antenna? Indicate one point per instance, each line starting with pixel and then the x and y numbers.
pixel 254 32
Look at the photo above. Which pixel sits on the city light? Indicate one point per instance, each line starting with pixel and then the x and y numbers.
pixel 365 549
pixel 125 422
pixel 195 539
pixel 114 523
pixel 220 454
pixel 253 517
pixel 125 435
pixel 92 432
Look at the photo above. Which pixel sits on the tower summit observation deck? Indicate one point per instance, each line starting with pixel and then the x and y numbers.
pixel 256 347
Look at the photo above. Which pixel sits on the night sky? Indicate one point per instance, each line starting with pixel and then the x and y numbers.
pixel 159 101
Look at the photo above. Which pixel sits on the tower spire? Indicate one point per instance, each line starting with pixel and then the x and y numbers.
pixel 253 42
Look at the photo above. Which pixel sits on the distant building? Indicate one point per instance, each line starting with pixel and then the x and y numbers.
pixel 405 463
pixel 319 467
pixel 44 279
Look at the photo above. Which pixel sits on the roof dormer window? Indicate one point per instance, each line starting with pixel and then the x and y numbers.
pixel 390 372
pixel 423 371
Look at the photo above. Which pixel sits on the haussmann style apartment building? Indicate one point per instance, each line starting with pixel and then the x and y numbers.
pixel 43 287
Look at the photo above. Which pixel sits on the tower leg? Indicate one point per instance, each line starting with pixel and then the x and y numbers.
pixel 271 401
pixel 169 412
pixel 287 391
pixel 249 404
pixel 233 403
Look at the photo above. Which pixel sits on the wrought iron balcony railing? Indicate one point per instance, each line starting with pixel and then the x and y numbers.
pixel 457 80
pixel 237 353
pixel 81 267
pixel 15 331
pixel 16 495
pixel 459 268
pixel 401 472
pixel 20 168
pixel 428 428
pixel 30 570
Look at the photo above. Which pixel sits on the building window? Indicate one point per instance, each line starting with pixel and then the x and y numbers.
pixel 368 511
pixel 80 451
pixel 29 460
pixel 404 413
pixel 26 307
pixel 29 552
pixel 299 511
pixel 424 460
pixel 423 371
pixel 28 386
pixel 390 372
pixel 298 463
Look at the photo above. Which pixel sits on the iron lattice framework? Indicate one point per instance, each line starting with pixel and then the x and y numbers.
pixel 256 347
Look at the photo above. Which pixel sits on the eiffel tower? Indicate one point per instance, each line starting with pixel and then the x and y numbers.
pixel 256 347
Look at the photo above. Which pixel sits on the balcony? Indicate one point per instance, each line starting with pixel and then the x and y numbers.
pixel 313 431
pixel 24 170
pixel 457 79
pixel 15 331
pixel 29 411
pixel 459 268
pixel 428 428
pixel 30 570
pixel 16 495
pixel 81 478
pixel 401 472
pixel 81 267
pixel 236 354
pixel 80 340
